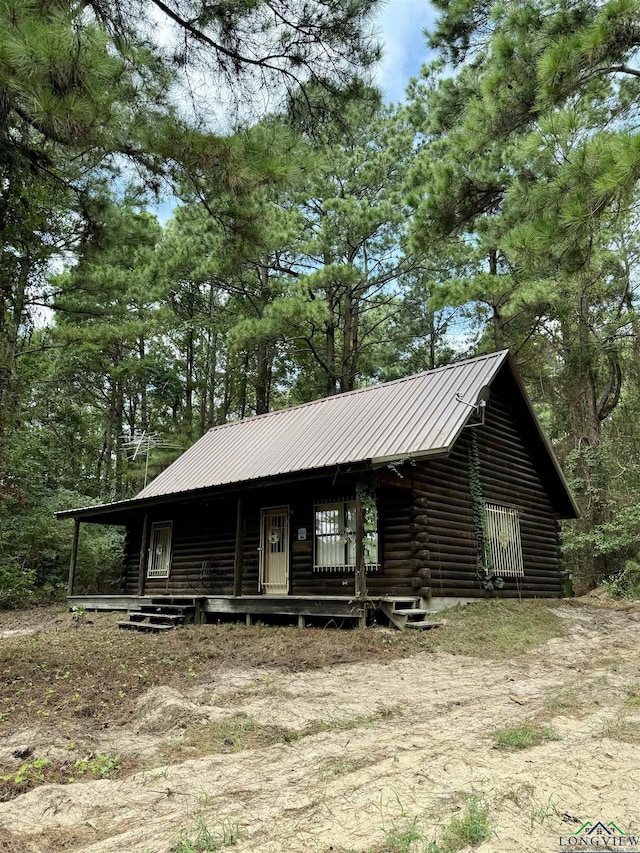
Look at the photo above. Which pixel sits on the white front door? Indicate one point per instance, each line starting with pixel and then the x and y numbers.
pixel 274 544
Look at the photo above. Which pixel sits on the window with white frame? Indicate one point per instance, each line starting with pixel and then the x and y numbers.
pixel 503 547
pixel 335 536
pixel 160 549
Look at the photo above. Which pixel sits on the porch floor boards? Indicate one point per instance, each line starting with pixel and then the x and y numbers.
pixel 246 605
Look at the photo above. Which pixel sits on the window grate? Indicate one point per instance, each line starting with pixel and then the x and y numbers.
pixel 335 537
pixel 503 547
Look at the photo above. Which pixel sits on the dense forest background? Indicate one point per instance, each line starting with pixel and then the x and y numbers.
pixel 320 239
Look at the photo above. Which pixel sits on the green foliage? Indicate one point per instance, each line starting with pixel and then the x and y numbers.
pixel 29 775
pixel 523 736
pixel 624 584
pixel 403 838
pixel 486 576
pixel 205 840
pixel 100 766
pixel 470 829
pixel 16 584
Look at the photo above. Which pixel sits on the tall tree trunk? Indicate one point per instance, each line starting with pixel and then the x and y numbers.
pixel 496 317
pixel 144 415
pixel 188 390
pixel 12 317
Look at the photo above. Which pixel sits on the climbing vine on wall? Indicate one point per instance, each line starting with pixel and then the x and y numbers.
pixel 485 573
pixel 366 493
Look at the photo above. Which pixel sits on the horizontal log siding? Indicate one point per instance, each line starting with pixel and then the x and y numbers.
pixel 427 531
pixel 131 557
pixel 396 543
pixel 444 514
pixel 206 532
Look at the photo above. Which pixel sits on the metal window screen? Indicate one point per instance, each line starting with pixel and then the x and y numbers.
pixel 160 550
pixel 503 546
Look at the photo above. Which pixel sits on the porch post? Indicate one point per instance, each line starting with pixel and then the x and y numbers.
pixel 361 575
pixel 144 546
pixel 239 555
pixel 74 555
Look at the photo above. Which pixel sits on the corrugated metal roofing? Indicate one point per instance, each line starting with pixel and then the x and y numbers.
pixel 415 416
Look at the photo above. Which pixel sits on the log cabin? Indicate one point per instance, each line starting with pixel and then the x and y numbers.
pixel 398 499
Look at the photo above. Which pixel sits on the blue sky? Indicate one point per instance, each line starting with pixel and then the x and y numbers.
pixel 401 26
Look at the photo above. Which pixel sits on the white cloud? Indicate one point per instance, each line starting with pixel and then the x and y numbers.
pixel 401 25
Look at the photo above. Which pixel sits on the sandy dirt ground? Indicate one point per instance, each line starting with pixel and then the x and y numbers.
pixel 387 746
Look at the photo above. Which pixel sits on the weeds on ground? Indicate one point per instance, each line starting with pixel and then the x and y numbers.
pixel 202 839
pixel 523 736
pixel 633 696
pixel 98 672
pixel 41 770
pixel 495 629
pixel 403 838
pixel 626 730
pixel 229 735
pixel 624 584
pixel 469 829
pixel 541 813
pixel 241 732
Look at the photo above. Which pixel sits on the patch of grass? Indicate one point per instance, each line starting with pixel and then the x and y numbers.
pixel 231 735
pixel 624 729
pixel 96 672
pixel 403 838
pixel 243 732
pixel 470 829
pixel 496 629
pixel 632 699
pixel 42 770
pixel 577 699
pixel 202 839
pixel 523 736
pixel 541 813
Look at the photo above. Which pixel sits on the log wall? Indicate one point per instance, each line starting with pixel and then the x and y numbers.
pixel 442 528
pixel 427 532
pixel 204 532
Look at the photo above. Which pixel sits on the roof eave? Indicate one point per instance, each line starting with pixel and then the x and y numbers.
pixel 142 504
pixel 379 461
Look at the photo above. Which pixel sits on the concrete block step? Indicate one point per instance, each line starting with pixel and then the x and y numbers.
pixel 425 625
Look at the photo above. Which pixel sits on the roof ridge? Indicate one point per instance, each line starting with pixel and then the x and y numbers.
pixel 449 366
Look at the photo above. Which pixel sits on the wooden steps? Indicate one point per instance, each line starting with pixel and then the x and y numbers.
pixel 406 613
pixel 163 614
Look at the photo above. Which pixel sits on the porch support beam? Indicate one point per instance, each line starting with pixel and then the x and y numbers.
pixel 239 554
pixel 144 548
pixel 74 555
pixel 361 575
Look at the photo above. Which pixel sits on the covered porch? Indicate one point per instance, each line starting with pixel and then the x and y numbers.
pixel 244 607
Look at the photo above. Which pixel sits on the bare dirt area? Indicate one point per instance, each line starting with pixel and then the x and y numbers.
pixel 275 739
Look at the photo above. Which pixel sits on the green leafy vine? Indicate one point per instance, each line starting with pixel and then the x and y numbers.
pixel 484 570
pixel 367 495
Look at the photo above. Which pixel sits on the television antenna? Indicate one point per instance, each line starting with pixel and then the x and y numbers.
pixel 144 442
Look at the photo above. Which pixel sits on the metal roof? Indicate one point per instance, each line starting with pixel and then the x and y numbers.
pixel 415 416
